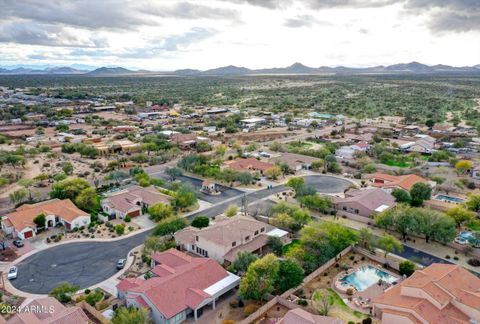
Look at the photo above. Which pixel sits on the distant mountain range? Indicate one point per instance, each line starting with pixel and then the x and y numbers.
pixel 231 70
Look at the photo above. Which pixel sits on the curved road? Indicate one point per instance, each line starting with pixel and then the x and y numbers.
pixel 84 264
pixel 88 263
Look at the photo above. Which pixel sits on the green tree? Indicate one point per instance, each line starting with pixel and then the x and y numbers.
pixel 260 278
pixel 400 219
pixel 67 168
pixel 244 259
pixel 63 292
pixel 200 221
pixel 419 193
pixel 429 123
pixel 406 268
pixel 365 238
pixel 184 198
pixel 88 200
pixel 389 244
pixel 296 183
pixel 317 202
pixel 275 244
pixel 231 211
pixel 18 196
pixel 131 315
pixel 203 147
pixel 323 301
pixel 460 215
pixel 160 211
pixel 401 196
pixel 245 178
pixel 170 226
pixel 68 188
pixel 473 202
pixel 120 229
pixel 434 225
pixel 290 275
pixel 274 172
pixel 173 173
pixel 40 220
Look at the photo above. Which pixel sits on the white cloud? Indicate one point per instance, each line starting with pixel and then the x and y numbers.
pixel 174 34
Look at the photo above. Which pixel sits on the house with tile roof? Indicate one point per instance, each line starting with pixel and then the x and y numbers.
pixel 440 293
pixel 48 310
pixel 251 165
pixel 405 182
pixel 132 201
pixel 362 204
pixel 20 223
pixel 295 162
pixel 224 239
pixel 180 288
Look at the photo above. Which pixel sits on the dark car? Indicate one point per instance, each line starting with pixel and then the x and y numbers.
pixel 18 243
pixel 121 263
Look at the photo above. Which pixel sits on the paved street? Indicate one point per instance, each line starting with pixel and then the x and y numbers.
pixel 88 263
pixel 84 264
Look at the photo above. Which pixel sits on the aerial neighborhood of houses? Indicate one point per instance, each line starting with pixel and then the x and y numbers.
pixel 158 207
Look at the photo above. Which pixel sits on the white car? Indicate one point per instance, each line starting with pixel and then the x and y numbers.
pixel 12 273
pixel 460 240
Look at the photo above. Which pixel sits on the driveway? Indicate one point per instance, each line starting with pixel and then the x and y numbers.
pixel 84 264
pixel 226 192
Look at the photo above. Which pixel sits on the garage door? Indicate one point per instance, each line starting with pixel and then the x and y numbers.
pixel 28 234
pixel 134 213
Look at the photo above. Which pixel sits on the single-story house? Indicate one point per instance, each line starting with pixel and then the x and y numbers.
pixel 225 238
pixel 181 287
pixel 187 140
pixel 132 201
pixel 295 162
pixel 20 223
pixel 405 182
pixel 364 203
pixel 48 310
pixel 248 165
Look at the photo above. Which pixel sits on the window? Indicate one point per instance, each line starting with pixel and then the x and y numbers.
pixel 344 208
pixel 178 317
pixel 196 238
pixel 234 243
pixel 247 238
pixel 356 211
pixel 256 232
pixel 262 229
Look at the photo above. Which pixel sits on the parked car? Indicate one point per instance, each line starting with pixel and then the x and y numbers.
pixel 121 263
pixel 18 243
pixel 461 240
pixel 12 273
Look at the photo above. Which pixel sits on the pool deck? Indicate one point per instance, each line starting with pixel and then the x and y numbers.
pixel 360 300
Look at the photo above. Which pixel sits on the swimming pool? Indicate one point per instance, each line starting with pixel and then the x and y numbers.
pixel 450 199
pixel 366 276
pixel 466 235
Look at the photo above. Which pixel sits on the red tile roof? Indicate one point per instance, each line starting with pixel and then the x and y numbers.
pixel 182 289
pixel 405 182
pixel 447 284
pixel 249 164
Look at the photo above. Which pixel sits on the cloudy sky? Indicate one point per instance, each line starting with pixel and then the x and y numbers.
pixel 202 34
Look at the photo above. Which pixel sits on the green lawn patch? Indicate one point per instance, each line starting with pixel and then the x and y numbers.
pixel 474 225
pixel 399 164
pixel 291 245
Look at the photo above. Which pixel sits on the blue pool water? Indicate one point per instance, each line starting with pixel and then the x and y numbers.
pixel 466 235
pixel 366 276
pixel 450 199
